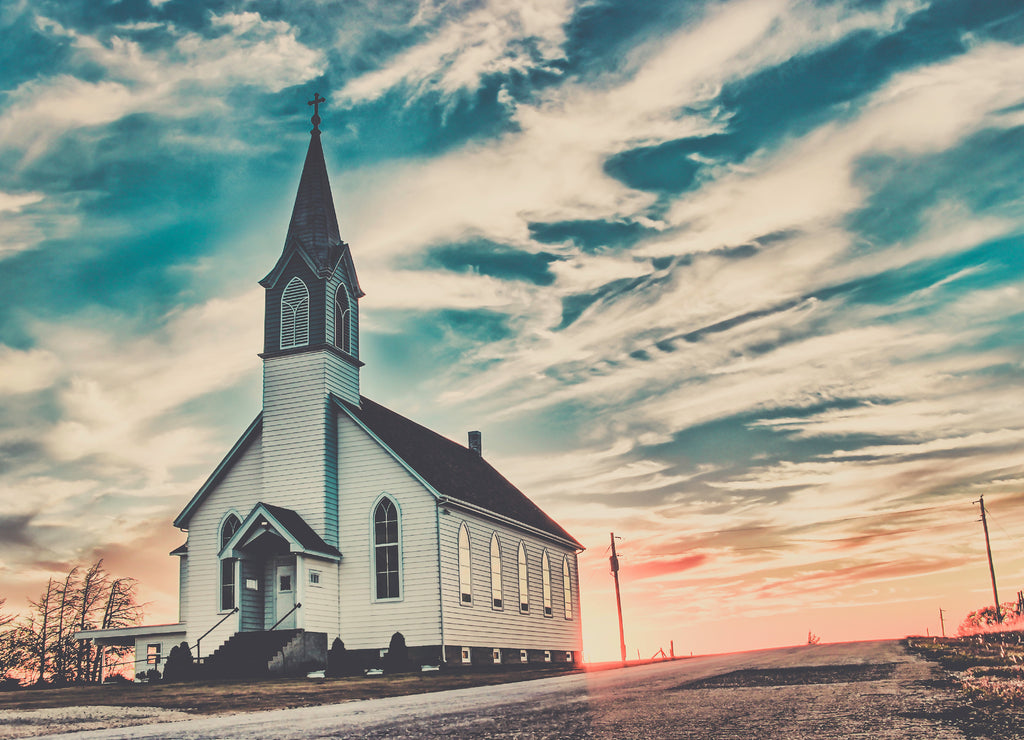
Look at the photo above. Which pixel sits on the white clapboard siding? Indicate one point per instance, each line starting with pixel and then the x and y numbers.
pixel 480 625
pixel 295 429
pixel 182 588
pixel 294 434
pixel 239 490
pixel 319 611
pixel 366 471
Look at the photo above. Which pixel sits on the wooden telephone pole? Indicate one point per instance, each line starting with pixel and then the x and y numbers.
pixel 618 599
pixel 988 549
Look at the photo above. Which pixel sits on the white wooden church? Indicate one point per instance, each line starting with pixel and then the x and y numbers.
pixel 333 515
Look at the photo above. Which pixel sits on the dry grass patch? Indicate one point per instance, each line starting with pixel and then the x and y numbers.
pixel 238 696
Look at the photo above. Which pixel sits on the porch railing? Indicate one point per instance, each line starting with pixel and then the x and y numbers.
pixel 286 615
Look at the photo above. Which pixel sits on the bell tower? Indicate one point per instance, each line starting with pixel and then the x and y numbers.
pixel 310 346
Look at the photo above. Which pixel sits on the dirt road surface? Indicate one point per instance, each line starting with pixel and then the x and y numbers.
pixel 852 690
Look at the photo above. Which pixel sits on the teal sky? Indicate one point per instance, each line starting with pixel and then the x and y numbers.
pixel 740 281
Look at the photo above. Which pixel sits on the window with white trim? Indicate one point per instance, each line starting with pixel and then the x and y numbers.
pixel 566 587
pixel 496 601
pixel 314 577
pixel 343 320
pixel 523 656
pixel 153 655
pixel 385 547
pixel 465 567
pixel 547 656
pixel 496 655
pixel 524 581
pixel 227 584
pixel 545 575
pixel 466 658
pixel 294 314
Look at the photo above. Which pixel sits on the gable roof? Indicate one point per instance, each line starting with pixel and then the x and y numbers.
pixel 453 471
pixel 288 525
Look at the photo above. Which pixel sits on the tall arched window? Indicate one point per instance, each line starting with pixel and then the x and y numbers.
pixel 524 581
pixel 227 565
pixel 496 601
pixel 228 529
pixel 294 315
pixel 566 587
pixel 465 567
pixel 545 574
pixel 385 549
pixel 342 320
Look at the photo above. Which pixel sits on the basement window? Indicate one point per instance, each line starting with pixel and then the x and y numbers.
pixel 466 655
pixel 547 656
pixel 524 657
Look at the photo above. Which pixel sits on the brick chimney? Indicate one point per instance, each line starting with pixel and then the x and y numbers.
pixel 475 443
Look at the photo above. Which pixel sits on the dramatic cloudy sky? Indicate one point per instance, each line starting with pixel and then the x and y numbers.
pixel 741 281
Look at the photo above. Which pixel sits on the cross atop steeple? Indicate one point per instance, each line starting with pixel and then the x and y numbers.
pixel 315 102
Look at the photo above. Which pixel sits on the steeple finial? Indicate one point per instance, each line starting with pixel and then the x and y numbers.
pixel 315 102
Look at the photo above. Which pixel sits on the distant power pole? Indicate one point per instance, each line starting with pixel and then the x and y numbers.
pixel 988 549
pixel 618 599
pixel 942 622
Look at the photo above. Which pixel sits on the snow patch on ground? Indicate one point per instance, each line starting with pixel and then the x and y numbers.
pixel 15 723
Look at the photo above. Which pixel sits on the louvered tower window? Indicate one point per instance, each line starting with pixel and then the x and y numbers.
pixel 465 568
pixel 343 320
pixel 295 315
pixel 566 587
pixel 524 581
pixel 545 574
pixel 385 545
pixel 496 601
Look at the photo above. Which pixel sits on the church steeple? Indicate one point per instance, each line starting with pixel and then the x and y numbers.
pixel 314 224
pixel 313 290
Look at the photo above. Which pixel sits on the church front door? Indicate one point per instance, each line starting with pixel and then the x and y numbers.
pixel 285 600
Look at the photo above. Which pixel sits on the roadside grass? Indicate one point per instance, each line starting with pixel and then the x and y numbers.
pixel 988 670
pixel 224 697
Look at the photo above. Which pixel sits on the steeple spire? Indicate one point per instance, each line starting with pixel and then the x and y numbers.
pixel 314 224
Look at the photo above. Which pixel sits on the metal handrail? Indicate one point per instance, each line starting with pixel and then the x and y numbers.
pixel 287 614
pixel 233 611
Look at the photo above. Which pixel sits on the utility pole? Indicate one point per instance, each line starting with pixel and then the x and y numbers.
pixel 942 622
pixel 618 599
pixel 988 549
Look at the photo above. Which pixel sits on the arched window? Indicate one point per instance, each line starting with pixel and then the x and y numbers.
pixel 295 315
pixel 228 529
pixel 342 320
pixel 545 574
pixel 496 601
pixel 227 565
pixel 566 587
pixel 465 567
pixel 385 549
pixel 524 582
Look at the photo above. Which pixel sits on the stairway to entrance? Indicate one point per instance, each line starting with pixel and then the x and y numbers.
pixel 248 654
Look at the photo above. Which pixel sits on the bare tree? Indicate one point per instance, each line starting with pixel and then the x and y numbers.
pixel 63 644
pixel 92 594
pixel 40 627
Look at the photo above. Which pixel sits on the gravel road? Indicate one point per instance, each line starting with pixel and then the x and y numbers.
pixel 870 690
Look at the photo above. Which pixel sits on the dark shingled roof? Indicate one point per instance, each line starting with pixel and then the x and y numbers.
pixel 298 528
pixel 314 224
pixel 453 470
